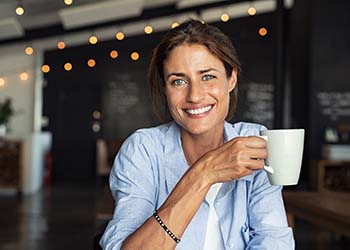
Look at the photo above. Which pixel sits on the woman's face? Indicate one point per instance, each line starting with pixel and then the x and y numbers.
pixel 197 88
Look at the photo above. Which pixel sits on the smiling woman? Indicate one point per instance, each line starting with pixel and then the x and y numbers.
pixel 197 89
pixel 196 182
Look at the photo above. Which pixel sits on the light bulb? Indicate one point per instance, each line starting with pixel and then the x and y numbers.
pixel 148 29
pixel 68 66
pixel 251 11
pixel 93 39
pixel 24 76
pixel 2 82
pixel 45 68
pixel 61 45
pixel 29 50
pixel 68 2
pixel 135 56
pixel 174 25
pixel 113 54
pixel 120 36
pixel 91 63
pixel 19 10
pixel 262 31
pixel 225 17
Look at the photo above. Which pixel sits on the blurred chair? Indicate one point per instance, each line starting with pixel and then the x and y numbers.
pixel 106 150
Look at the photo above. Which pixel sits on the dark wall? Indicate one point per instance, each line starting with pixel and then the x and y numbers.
pixel 115 87
pixel 329 70
pixel 318 50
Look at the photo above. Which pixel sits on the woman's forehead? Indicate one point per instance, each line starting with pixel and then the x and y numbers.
pixel 192 56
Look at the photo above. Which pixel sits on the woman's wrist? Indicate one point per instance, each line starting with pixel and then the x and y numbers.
pixel 200 177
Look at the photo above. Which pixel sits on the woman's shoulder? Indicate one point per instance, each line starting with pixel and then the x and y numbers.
pixel 154 133
pixel 149 136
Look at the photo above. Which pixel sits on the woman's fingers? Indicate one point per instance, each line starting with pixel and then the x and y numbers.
pixel 257 154
pixel 252 141
pixel 237 158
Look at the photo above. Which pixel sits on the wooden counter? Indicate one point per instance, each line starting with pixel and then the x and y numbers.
pixel 327 209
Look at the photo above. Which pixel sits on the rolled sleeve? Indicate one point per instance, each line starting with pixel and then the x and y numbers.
pixel 268 222
pixel 133 188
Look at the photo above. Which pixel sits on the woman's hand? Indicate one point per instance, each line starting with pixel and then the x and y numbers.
pixel 236 158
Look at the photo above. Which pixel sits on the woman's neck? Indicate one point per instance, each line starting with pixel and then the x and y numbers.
pixel 195 146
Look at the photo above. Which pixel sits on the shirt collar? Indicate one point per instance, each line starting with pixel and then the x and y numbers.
pixel 174 160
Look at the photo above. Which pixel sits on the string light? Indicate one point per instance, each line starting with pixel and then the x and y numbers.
pixel 262 31
pixel 91 63
pixel 119 36
pixel 2 81
pixel 225 17
pixel 45 68
pixel 113 54
pixel 135 56
pixel 28 50
pixel 68 2
pixel 93 39
pixel 68 66
pixel 96 114
pixel 24 76
pixel 251 11
pixel 19 9
pixel 61 45
pixel 148 29
pixel 174 25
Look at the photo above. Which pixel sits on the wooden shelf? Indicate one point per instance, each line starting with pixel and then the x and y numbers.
pixel 333 176
pixel 10 164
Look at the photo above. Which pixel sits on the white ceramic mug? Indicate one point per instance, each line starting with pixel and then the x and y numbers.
pixel 285 154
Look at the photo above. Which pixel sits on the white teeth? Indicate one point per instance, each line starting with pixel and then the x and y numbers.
pixel 198 111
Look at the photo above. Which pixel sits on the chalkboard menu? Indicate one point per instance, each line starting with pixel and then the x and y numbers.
pixel 334 105
pixel 125 103
pixel 255 103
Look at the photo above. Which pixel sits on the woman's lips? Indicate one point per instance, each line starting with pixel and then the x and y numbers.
pixel 199 111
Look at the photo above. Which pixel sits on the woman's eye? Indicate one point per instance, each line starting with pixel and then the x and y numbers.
pixel 179 82
pixel 207 77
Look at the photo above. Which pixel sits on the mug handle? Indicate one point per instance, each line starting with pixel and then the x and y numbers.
pixel 268 169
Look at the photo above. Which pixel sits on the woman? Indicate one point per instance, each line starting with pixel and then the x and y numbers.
pixel 196 182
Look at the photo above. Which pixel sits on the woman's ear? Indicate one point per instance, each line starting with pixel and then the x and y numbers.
pixel 232 80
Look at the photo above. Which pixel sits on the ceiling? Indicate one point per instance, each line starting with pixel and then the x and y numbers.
pixel 45 22
pixel 42 15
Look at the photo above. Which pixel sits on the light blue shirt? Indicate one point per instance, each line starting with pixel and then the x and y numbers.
pixel 149 164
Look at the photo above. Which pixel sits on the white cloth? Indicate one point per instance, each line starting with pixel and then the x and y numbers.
pixel 213 238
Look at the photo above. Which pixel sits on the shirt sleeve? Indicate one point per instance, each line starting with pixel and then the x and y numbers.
pixel 132 186
pixel 267 217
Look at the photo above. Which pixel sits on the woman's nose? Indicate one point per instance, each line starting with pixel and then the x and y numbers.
pixel 195 92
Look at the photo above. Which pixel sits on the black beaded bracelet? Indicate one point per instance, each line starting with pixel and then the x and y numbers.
pixel 159 220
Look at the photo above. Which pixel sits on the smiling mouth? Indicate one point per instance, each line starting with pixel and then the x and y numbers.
pixel 199 111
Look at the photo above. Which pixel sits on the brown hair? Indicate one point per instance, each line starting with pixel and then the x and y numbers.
pixel 191 31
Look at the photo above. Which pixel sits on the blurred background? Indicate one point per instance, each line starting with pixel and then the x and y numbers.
pixel 73 87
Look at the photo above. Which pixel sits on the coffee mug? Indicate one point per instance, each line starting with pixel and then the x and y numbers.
pixel 285 154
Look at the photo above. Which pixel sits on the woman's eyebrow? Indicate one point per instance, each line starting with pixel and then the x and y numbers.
pixel 175 74
pixel 207 70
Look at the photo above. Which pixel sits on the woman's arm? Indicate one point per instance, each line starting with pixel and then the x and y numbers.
pixel 267 217
pixel 177 212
